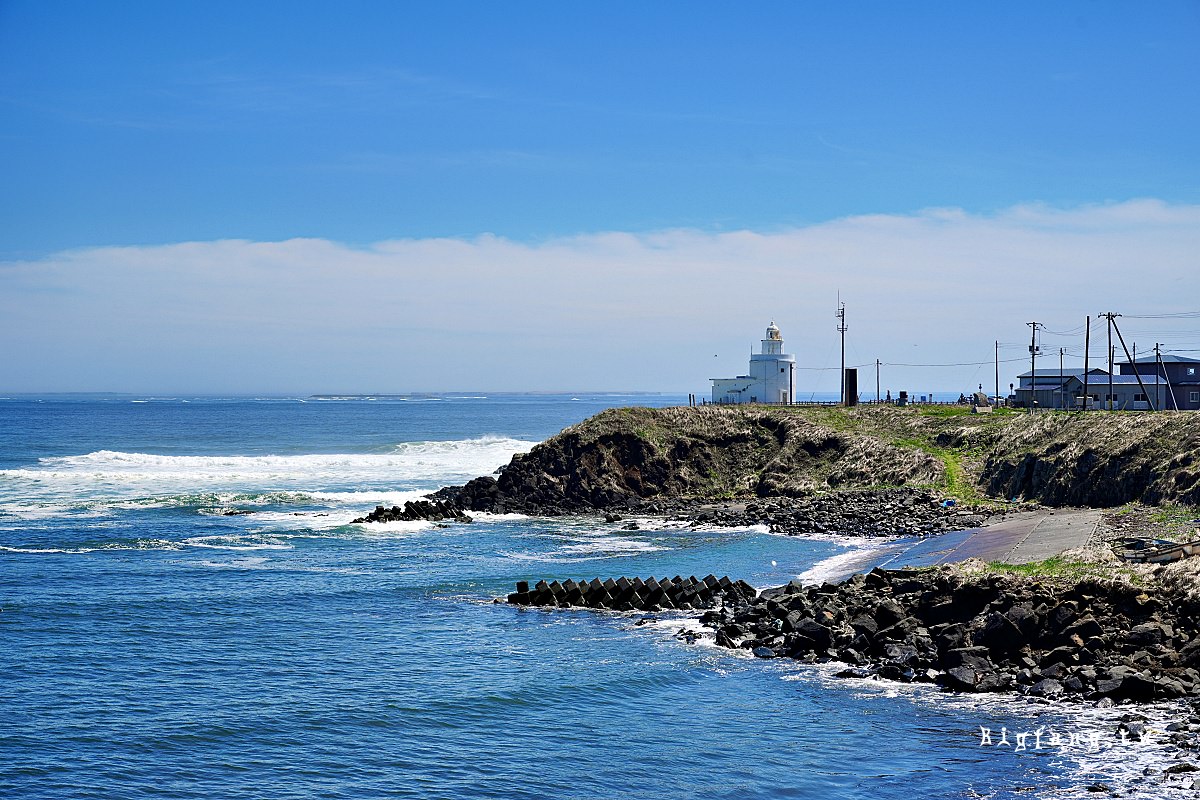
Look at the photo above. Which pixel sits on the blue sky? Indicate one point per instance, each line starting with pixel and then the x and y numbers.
pixel 131 129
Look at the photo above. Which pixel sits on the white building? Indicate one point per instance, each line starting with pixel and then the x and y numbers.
pixel 772 377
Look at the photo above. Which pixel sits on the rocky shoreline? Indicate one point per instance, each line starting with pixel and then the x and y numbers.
pixel 1099 633
pixel 878 472
pixel 863 512
pixel 1096 643
pixel 967 631
pixel 1089 640
pixel 886 512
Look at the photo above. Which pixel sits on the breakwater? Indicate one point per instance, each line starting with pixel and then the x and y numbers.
pixel 635 594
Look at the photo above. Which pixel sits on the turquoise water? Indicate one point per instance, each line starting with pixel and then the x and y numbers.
pixel 157 644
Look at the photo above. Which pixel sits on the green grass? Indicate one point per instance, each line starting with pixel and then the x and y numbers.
pixel 1174 515
pixel 955 481
pixel 1059 569
pixel 943 411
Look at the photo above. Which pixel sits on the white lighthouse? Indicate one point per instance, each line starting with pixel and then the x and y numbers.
pixel 772 377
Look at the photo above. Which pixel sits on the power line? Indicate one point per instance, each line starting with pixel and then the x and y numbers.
pixel 903 364
pixel 957 364
pixel 1178 315
pixel 1076 331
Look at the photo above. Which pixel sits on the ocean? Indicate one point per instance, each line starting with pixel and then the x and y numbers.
pixel 186 611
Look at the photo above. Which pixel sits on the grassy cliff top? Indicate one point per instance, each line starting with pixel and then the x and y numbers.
pixel 1090 459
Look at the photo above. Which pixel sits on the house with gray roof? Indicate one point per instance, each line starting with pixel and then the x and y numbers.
pixel 1172 379
pixel 1050 388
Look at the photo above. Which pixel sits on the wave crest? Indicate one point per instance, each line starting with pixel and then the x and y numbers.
pixel 111 476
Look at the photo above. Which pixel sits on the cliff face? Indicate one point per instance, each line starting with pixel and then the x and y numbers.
pixel 1095 459
pixel 623 457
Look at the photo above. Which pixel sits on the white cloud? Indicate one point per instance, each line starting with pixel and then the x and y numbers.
pixel 606 310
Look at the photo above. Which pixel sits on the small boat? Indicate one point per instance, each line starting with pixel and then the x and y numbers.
pixel 1154 551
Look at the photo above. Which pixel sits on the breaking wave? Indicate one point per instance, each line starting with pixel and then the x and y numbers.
pixel 108 479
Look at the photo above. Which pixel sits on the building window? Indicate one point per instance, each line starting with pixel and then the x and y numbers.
pixel 781 369
pixel 1191 371
pixel 1139 398
pixel 1194 397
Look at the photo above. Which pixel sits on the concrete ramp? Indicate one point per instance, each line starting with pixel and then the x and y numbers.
pixel 1062 530
pixel 1021 539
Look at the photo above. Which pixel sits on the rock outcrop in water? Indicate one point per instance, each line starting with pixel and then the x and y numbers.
pixel 987 633
pixel 416 510
pixel 634 458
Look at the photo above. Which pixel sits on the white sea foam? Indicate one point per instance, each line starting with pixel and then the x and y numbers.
pixel 399 527
pixel 760 528
pixel 105 478
pixel 138 544
pixel 484 516
pixel 8 549
pixel 383 498
pixel 273 521
pixel 860 554
pixel 251 541
pixel 1119 764
pixel 548 558
pixel 612 545
pixel 587 545
pixel 32 513
pixel 249 562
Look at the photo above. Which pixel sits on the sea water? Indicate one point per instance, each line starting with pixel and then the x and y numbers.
pixel 187 611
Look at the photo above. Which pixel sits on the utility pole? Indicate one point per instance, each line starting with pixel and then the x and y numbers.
pixel 877 364
pixel 1109 315
pixel 997 372
pixel 841 318
pixel 1112 357
pixel 1032 364
pixel 1087 350
pixel 1062 389
pixel 1157 372
pixel 1135 369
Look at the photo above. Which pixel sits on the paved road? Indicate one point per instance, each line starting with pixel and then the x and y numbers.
pixel 1020 539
